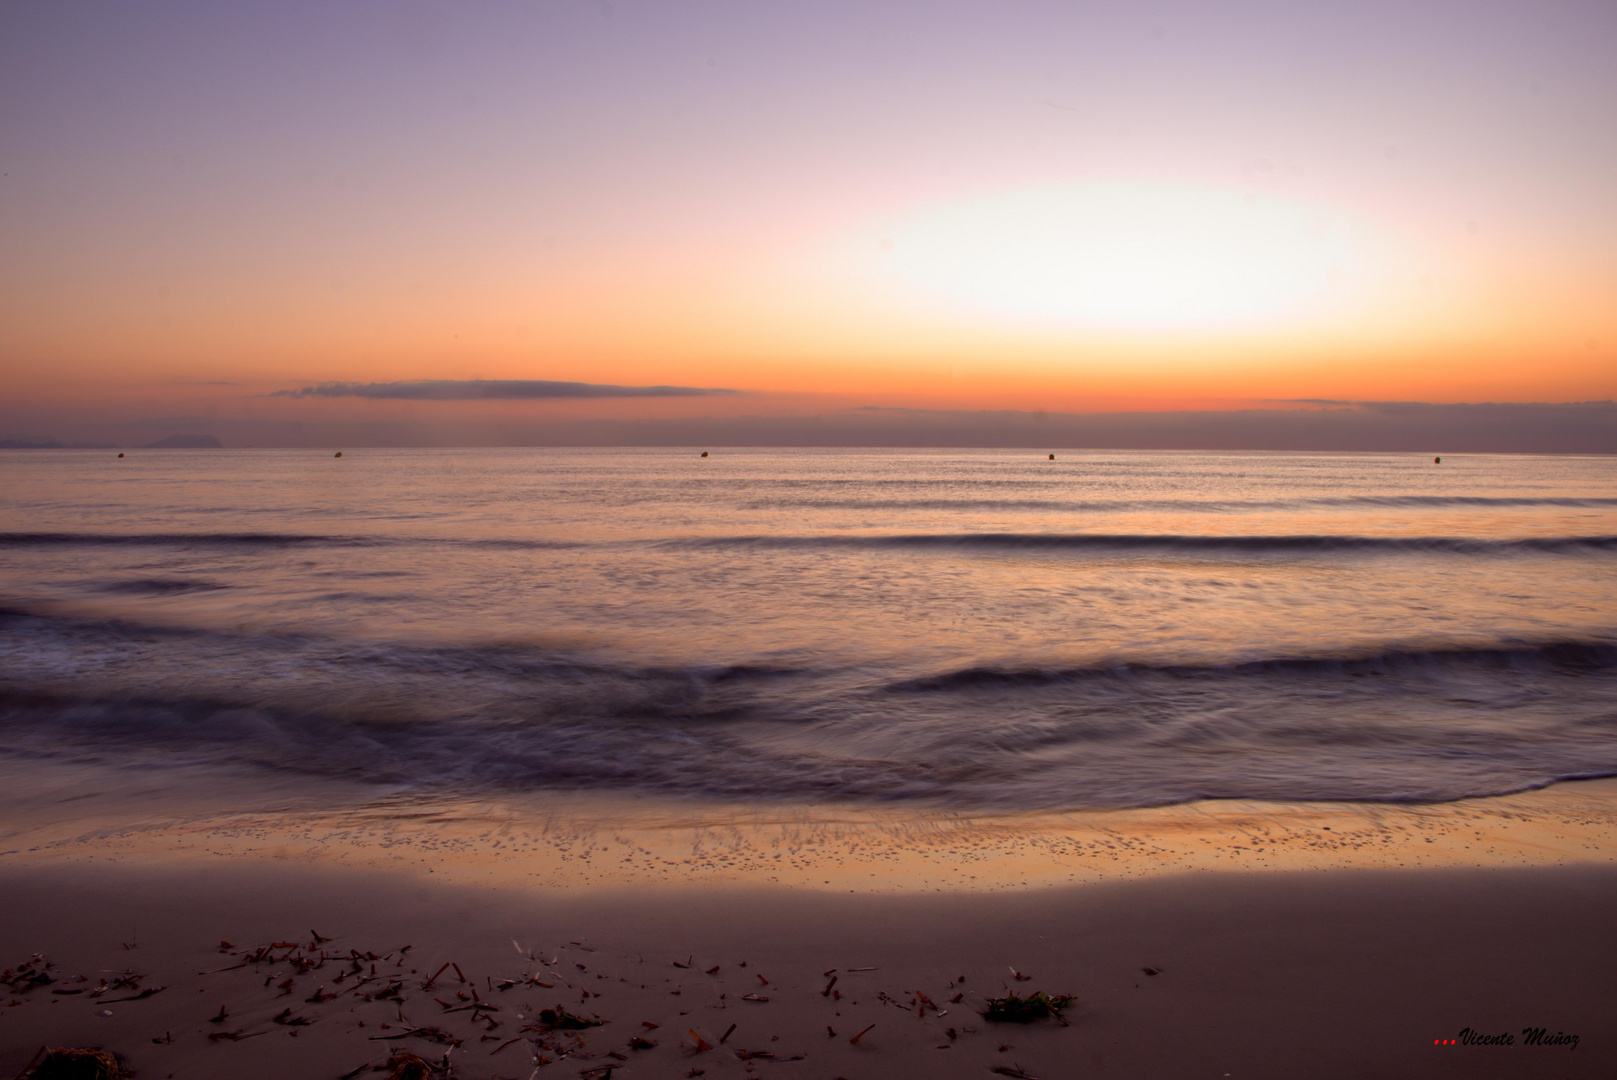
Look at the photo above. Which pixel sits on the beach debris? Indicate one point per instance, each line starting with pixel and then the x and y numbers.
pixel 1152 970
pixel 1024 1010
pixel 140 996
pixel 561 1018
pixel 73 1063
pixel 767 1055
pixel 402 1066
pixel 431 1034
pixel 1013 1071
pixel 555 1034
pixel 27 975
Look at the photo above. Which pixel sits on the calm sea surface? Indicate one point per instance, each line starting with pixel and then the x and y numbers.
pixel 967 629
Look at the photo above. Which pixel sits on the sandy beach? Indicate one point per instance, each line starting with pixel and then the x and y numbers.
pixel 1214 939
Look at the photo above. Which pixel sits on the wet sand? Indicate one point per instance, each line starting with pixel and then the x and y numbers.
pixel 1285 940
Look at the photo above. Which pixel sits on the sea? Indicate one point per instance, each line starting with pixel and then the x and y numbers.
pixel 967 630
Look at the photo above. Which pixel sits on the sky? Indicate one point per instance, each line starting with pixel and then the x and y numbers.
pixel 404 222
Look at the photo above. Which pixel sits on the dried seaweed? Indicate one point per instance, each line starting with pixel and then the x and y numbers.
pixel 561 1018
pixel 1024 1010
pixel 408 1067
pixel 73 1063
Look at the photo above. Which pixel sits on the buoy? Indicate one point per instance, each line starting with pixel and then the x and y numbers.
pixel 120 455
pixel 1052 457
pixel 704 453
pixel 337 454
pixel 1437 461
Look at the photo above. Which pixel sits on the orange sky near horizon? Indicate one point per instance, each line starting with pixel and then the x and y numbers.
pixel 951 207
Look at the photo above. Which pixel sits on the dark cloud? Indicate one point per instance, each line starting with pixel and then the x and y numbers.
pixel 490 389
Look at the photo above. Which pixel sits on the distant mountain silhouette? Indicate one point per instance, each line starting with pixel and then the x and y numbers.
pixel 51 444
pixel 186 442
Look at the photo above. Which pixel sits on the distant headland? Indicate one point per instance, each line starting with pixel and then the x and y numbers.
pixel 172 442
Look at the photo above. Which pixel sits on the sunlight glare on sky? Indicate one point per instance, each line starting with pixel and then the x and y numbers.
pixel 1151 256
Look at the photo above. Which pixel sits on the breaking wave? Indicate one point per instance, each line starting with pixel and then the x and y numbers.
pixel 1395 724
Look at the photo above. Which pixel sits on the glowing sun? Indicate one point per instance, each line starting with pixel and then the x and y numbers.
pixel 1127 256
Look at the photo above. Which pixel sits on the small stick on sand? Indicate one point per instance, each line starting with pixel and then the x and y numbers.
pixel 1007 1070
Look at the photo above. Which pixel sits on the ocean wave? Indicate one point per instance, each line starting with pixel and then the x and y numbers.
pixel 1401 722
pixel 158 586
pixel 215 539
pixel 1568 657
pixel 1125 542
pixel 263 540
pixel 1210 506
pixel 1150 757
pixel 1253 544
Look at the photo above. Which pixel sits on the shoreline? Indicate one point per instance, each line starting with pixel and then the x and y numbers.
pixel 569 841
